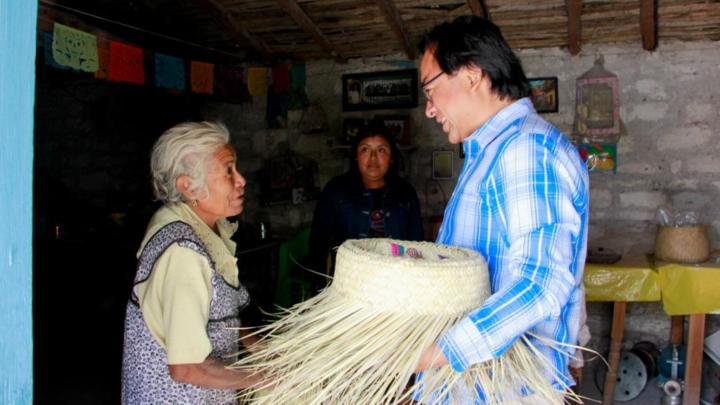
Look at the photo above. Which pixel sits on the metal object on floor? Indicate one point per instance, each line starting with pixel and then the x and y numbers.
pixel 671 363
pixel 649 354
pixel 632 376
pixel 672 392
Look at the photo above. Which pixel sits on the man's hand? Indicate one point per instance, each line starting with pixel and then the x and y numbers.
pixel 432 358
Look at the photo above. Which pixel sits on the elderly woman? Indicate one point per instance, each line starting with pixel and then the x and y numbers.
pixel 182 318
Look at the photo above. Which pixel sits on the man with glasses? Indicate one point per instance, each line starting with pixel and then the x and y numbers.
pixel 521 199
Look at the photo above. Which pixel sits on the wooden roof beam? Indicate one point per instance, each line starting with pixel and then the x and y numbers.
pixel 648 24
pixel 574 10
pixel 479 8
pixel 237 31
pixel 293 9
pixel 392 16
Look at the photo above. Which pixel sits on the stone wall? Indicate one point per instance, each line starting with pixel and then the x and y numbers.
pixel 669 156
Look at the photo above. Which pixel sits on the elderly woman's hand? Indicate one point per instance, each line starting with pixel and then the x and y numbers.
pixel 250 339
pixel 214 373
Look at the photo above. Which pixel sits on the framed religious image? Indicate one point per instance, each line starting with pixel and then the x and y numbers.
pixel 545 94
pixel 351 129
pixel 380 90
pixel 598 107
pixel 442 165
pixel 399 126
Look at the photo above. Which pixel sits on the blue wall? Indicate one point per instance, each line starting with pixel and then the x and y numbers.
pixel 18 20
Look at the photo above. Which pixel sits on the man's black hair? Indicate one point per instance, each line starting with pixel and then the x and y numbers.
pixel 472 40
pixel 370 129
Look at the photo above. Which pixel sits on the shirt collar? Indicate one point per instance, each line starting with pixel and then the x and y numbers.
pixel 496 125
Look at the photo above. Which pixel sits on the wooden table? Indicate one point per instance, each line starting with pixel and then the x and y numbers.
pixel 691 290
pixel 686 290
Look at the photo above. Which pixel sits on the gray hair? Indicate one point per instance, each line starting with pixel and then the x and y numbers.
pixel 186 148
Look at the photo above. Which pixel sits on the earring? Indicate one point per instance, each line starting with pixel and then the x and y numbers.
pixel 194 203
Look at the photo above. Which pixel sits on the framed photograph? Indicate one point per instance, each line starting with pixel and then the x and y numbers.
pixel 545 94
pixel 399 126
pixel 380 90
pixel 351 129
pixel 442 165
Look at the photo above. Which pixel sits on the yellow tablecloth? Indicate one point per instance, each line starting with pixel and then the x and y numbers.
pixel 632 279
pixel 690 289
pixel 684 288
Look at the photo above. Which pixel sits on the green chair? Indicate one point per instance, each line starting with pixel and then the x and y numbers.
pixel 294 283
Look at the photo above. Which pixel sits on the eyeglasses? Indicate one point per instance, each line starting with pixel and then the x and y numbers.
pixel 424 85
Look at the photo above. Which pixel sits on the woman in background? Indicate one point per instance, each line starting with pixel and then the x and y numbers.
pixel 369 201
pixel 183 314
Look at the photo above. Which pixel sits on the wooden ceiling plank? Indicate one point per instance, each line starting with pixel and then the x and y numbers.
pixel 648 24
pixel 236 30
pixel 574 11
pixel 479 8
pixel 296 13
pixel 392 16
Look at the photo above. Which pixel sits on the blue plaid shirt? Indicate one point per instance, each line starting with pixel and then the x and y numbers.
pixel 522 202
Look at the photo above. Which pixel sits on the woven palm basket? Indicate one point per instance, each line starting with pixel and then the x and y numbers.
pixel 359 340
pixel 682 244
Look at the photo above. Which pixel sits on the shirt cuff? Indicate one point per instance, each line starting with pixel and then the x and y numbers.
pixel 463 345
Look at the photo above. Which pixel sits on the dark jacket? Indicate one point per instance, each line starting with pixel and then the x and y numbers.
pixel 343 212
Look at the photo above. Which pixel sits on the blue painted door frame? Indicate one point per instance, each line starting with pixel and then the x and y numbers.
pixel 18 22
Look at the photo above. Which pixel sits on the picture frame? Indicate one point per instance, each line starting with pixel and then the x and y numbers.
pixel 351 129
pixel 545 94
pixel 598 106
pixel 399 126
pixel 286 179
pixel 391 89
pixel 443 165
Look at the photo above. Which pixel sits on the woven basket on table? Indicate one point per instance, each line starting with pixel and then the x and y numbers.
pixel 682 244
pixel 358 341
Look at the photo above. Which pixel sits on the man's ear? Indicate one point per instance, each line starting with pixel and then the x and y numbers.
pixel 184 184
pixel 475 76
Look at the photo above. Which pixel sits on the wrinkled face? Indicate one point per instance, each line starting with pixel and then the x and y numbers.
pixel 446 102
pixel 373 158
pixel 226 188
